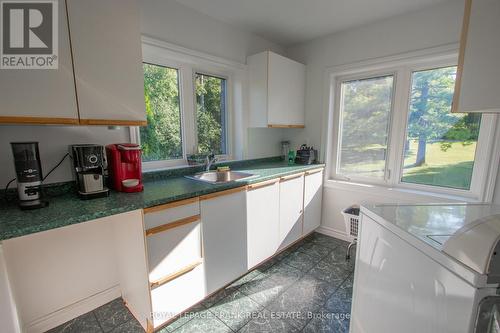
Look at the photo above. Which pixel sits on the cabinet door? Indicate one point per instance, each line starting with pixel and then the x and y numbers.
pixel 262 221
pixel 257 82
pixel 286 91
pixel 41 96
pixel 8 313
pixel 106 41
pixel 313 196
pixel 176 296
pixel 391 276
pixel 224 237
pixel 478 76
pixel 291 207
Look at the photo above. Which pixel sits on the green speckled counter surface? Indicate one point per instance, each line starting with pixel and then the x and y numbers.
pixel 68 209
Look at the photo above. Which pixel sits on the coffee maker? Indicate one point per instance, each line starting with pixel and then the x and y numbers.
pixel 28 174
pixel 124 167
pixel 88 163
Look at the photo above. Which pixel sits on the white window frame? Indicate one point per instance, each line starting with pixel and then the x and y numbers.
pixel 188 63
pixel 485 164
pixel 226 113
pixel 337 148
pixel 135 131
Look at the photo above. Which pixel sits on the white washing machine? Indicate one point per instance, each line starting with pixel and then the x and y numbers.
pixel 427 268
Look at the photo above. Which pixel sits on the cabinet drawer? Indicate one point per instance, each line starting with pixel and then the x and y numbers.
pixel 164 214
pixel 171 250
pixel 177 295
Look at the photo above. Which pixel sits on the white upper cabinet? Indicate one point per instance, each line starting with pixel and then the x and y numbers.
pixel 106 42
pixel 478 78
pixel 41 96
pixel 277 91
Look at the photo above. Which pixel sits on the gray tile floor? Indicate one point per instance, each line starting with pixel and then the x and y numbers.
pixel 112 317
pixel 307 288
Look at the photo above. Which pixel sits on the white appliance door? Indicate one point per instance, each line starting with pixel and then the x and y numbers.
pixel 397 288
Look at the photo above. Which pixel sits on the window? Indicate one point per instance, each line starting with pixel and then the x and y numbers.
pixel 440 147
pixel 211 114
pixel 161 139
pixel 188 110
pixel 365 118
pixel 395 128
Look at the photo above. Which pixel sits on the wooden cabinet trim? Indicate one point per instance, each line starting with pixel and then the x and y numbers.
pixel 173 276
pixel 289 177
pixel 171 205
pixel 172 225
pixel 285 126
pixel 221 193
pixel 113 122
pixel 461 55
pixel 38 120
pixel 311 172
pixel 262 184
pixel 149 326
pixel 68 121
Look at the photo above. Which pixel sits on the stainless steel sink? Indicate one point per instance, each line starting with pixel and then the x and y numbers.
pixel 215 177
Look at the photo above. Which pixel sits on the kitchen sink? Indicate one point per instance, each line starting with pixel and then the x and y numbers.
pixel 222 177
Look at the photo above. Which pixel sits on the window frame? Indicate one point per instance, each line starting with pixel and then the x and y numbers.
pixel 136 135
pixel 187 66
pixel 227 155
pixel 485 168
pixel 337 149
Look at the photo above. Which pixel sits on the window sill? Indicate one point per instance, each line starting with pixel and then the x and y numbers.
pixel 396 192
pixel 180 164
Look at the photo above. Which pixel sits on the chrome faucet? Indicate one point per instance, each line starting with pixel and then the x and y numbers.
pixel 211 159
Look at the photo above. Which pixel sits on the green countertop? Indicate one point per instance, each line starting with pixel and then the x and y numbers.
pixel 68 209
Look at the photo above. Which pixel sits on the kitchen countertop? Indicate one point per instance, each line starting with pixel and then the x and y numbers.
pixel 67 209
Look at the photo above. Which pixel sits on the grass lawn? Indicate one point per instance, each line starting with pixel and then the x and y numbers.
pixel 450 168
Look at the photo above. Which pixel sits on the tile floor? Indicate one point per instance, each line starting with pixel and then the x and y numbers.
pixel 307 288
pixel 113 317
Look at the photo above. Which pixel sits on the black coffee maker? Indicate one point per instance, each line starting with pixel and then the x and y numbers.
pixel 28 174
pixel 88 165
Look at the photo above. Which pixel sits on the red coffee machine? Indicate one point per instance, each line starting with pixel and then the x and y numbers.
pixel 124 167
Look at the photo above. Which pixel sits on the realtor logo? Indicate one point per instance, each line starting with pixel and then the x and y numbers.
pixel 29 34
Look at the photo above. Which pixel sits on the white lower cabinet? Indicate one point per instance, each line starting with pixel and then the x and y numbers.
pixel 8 312
pixel 224 237
pixel 313 196
pixel 291 205
pixel 176 270
pixel 262 221
pixel 57 275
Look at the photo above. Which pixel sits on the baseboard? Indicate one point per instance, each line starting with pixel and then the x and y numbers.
pixel 334 233
pixel 72 311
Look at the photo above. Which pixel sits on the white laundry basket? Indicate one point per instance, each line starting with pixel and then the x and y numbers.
pixel 351 220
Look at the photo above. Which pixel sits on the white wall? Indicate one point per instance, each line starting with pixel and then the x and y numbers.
pixel 175 23
pixel 172 22
pixel 53 143
pixel 162 19
pixel 432 27
pixel 408 32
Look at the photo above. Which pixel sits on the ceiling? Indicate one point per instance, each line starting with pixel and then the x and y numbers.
pixel 293 21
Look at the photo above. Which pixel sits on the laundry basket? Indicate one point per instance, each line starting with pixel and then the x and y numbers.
pixel 351 220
